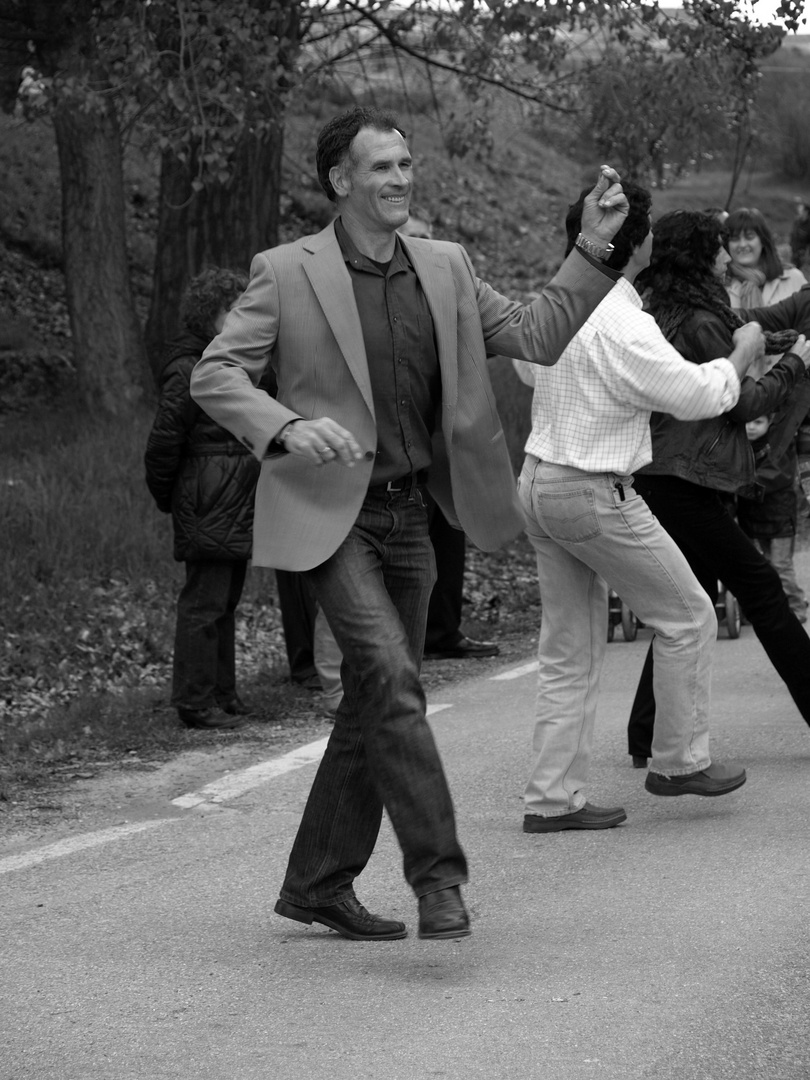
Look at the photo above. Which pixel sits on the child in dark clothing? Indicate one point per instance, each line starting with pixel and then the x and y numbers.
pixel 769 516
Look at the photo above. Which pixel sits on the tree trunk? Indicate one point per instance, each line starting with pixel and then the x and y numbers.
pixel 223 225
pixel 107 338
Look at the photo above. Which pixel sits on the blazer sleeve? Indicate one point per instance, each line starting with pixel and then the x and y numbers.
pixel 226 380
pixel 539 332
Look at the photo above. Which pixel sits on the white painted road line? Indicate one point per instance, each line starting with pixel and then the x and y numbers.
pixel 228 787
pixel 235 784
pixel 73 844
pixel 516 673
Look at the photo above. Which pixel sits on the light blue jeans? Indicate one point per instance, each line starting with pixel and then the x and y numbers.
pixel 591 532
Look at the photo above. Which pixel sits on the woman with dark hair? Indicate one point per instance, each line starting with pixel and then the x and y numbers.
pixel 755 275
pixel 203 476
pixel 697 465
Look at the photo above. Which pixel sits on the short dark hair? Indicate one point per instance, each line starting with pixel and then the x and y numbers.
pixel 685 248
pixel 632 233
pixel 210 292
pixel 719 212
pixel 748 218
pixel 335 139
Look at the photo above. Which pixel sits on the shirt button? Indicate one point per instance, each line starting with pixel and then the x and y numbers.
pixel 402 402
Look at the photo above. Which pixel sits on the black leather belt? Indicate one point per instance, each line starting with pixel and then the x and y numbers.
pixel 403 483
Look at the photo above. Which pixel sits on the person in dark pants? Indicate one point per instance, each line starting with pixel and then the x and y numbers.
pixel 298 612
pixel 444 639
pixel 200 474
pixel 769 514
pixel 697 465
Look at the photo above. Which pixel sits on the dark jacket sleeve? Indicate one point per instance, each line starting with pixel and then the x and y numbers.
pixel 761 396
pixel 169 434
pixel 709 339
pixel 792 313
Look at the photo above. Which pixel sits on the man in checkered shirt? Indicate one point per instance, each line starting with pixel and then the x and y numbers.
pixel 591 532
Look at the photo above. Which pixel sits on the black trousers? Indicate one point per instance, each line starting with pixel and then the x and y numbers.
pixel 718 550
pixel 204 671
pixel 444 612
pixel 298 611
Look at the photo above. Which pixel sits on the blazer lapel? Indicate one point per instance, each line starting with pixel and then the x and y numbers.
pixel 330 280
pixel 436 277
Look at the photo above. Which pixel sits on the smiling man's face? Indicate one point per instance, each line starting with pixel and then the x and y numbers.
pixel 375 183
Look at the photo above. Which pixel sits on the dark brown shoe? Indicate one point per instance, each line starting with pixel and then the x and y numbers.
pixel 714 780
pixel 348 917
pixel 442 914
pixel 465 649
pixel 587 817
pixel 210 719
pixel 234 706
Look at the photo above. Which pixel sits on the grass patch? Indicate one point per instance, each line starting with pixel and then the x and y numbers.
pixel 132 726
pixel 87 623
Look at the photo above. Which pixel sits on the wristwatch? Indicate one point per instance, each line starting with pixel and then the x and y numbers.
pixel 590 248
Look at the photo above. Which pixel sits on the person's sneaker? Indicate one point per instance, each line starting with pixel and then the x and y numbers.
pixel 587 817
pixel 209 719
pixel 714 780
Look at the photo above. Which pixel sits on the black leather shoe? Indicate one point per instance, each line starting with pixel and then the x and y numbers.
pixel 715 780
pixel 234 706
pixel 210 719
pixel 639 761
pixel 465 649
pixel 442 914
pixel 348 917
pixel 587 817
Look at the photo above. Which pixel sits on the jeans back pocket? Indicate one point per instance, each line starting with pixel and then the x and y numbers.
pixel 570 515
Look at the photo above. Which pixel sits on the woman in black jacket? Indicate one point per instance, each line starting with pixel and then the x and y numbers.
pixel 699 466
pixel 204 477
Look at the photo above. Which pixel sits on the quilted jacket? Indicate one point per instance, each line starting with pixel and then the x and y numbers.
pixel 198 471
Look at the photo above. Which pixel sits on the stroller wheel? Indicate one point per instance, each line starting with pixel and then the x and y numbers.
pixel 733 621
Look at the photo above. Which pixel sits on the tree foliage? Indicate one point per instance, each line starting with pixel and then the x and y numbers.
pixel 682 92
pixel 204 85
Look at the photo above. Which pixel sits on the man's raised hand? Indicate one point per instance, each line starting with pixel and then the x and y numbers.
pixel 605 208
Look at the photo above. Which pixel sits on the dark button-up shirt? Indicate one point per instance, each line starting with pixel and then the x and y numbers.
pixel 402 358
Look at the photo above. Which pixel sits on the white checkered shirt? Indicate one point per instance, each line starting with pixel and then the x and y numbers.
pixel 591 410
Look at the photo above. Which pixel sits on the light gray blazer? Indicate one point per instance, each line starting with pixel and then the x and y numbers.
pixel 298 313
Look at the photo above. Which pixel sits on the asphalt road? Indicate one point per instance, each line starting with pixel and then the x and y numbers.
pixel 675 946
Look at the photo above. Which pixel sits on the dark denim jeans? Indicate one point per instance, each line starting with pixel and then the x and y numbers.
pixel 718 550
pixel 374 592
pixel 204 671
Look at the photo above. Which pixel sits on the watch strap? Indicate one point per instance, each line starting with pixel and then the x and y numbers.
pixel 595 250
